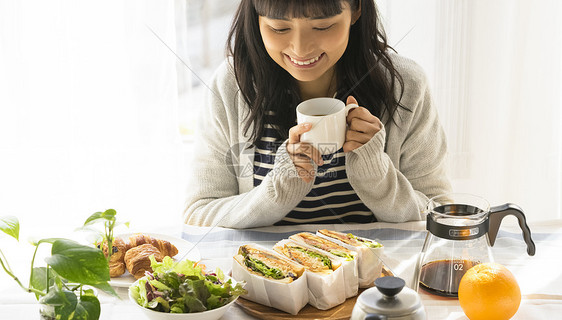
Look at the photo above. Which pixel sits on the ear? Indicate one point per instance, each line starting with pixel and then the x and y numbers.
pixel 356 14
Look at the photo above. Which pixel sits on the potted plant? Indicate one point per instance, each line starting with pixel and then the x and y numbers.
pixel 64 285
pixel 109 222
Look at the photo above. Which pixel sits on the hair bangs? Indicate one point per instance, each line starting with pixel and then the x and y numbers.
pixel 289 9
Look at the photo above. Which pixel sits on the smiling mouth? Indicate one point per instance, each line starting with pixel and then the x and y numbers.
pixel 305 63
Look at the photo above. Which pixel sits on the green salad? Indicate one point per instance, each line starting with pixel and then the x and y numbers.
pixel 184 287
pixel 342 254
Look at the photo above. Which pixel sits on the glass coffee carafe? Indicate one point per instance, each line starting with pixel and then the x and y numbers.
pixel 461 230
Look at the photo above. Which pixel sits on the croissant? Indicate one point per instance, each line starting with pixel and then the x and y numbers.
pixel 165 247
pixel 119 249
pixel 137 259
pixel 116 269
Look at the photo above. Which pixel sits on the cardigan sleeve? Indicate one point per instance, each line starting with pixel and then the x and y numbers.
pixel 396 188
pixel 213 197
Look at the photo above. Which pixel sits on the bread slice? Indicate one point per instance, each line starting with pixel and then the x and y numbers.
pixel 268 264
pixel 324 244
pixel 312 259
pixel 350 239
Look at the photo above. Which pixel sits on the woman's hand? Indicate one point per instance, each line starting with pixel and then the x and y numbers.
pixel 362 126
pixel 301 152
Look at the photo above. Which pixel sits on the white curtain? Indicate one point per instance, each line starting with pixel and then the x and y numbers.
pixel 496 74
pixel 88 111
pixel 89 101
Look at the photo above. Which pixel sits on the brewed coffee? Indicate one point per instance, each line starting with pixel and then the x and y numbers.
pixel 442 277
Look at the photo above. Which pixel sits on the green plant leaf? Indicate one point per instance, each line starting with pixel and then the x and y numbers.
pixel 88 308
pixel 105 287
pixel 10 225
pixel 78 263
pixel 46 240
pixel 69 307
pixel 108 215
pixel 39 279
pixel 57 297
pixel 93 218
pixel 66 310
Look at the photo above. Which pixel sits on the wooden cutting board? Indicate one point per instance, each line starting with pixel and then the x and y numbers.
pixel 339 312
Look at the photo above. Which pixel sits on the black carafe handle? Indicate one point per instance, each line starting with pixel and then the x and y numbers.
pixel 495 218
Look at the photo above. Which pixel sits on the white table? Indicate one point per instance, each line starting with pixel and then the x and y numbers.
pixel 540 276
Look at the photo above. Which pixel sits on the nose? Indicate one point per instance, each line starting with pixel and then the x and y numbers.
pixel 302 43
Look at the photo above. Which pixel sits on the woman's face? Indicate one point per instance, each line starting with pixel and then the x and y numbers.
pixel 307 47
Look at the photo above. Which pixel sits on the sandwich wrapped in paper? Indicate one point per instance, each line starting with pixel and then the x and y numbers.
pixel 348 256
pixel 324 277
pixel 369 263
pixel 271 278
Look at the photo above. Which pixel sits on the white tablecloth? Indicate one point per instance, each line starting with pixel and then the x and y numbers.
pixel 540 276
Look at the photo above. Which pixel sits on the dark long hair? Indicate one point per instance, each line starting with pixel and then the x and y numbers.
pixel 365 70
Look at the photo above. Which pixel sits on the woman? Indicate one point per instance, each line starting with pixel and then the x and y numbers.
pixel 250 168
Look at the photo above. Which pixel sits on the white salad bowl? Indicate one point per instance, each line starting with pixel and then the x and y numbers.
pixel 204 315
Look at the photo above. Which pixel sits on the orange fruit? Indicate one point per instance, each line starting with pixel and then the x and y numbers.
pixel 489 291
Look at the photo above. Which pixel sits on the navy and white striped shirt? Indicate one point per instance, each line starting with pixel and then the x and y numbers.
pixel 332 199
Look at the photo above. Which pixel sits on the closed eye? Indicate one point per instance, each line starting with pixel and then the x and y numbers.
pixel 279 30
pixel 326 28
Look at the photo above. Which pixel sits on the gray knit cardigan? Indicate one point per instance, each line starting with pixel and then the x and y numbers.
pixel 394 173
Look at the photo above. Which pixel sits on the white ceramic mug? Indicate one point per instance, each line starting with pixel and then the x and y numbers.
pixel 327 116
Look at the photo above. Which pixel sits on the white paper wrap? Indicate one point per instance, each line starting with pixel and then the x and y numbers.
pixel 351 277
pixel 369 263
pixel 288 297
pixel 350 273
pixel 324 290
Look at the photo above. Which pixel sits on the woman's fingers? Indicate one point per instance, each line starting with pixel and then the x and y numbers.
pixel 361 125
pixel 357 136
pixel 361 113
pixel 296 131
pixel 306 150
pixel 351 100
pixel 301 153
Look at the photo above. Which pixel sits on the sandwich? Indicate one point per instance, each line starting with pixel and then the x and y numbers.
pixel 324 244
pixel 369 252
pixel 267 264
pixel 312 259
pixel 350 239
